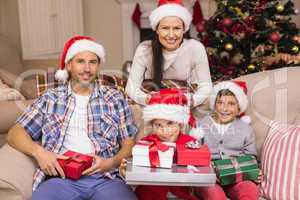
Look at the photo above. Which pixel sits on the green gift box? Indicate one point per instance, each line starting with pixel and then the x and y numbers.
pixel 236 169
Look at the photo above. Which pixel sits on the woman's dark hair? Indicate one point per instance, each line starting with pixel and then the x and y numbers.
pixel 157 59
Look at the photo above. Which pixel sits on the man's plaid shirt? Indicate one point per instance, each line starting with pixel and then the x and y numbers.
pixel 110 120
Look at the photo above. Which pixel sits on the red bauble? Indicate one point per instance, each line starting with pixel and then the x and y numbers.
pixel 227 22
pixel 200 27
pixel 274 37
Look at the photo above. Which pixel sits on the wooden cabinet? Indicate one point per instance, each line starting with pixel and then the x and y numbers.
pixel 45 25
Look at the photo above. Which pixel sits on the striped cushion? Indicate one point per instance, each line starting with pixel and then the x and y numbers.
pixel 281 162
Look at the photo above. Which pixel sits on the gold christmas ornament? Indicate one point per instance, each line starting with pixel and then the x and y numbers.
pixel 251 67
pixel 228 46
pixel 280 8
pixel 295 49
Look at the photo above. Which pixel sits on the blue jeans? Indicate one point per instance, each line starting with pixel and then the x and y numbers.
pixel 93 187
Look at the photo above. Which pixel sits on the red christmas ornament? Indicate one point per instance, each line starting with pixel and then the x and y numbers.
pixel 227 22
pixel 274 37
pixel 200 27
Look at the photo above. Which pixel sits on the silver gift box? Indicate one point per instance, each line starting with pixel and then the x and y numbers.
pixel 176 176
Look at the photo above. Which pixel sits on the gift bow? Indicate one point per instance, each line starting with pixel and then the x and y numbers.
pixel 75 158
pixel 193 145
pixel 155 145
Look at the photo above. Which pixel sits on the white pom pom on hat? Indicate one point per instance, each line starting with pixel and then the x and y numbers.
pixel 168 8
pixel 73 46
pixel 239 89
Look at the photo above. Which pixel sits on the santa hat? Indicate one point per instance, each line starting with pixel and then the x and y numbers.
pixel 169 104
pixel 74 46
pixel 167 8
pixel 239 89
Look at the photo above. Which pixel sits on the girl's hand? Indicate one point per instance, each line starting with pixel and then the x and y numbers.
pixel 122 168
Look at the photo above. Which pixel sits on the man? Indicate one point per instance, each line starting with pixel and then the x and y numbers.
pixel 81 116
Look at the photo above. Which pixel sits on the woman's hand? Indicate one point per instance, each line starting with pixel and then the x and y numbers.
pixel 122 168
pixel 148 97
pixel 100 165
pixel 48 163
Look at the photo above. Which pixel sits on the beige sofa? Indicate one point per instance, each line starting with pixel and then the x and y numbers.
pixel 274 95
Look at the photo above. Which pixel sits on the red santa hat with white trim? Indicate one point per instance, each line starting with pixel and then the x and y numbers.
pixel 73 46
pixel 239 89
pixel 169 104
pixel 169 8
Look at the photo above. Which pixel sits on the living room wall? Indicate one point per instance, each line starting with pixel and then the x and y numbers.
pixel 102 20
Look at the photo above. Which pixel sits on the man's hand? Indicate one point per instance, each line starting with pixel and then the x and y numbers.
pixel 100 165
pixel 122 167
pixel 48 162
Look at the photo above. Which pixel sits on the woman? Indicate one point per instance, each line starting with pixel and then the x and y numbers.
pixel 169 55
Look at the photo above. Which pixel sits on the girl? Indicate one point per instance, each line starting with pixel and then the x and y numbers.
pixel 166 112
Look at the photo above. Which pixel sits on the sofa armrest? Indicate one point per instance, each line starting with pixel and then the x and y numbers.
pixel 16 174
pixel 27 87
pixel 10 111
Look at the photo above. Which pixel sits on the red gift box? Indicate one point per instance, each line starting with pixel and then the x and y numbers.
pixel 75 164
pixel 196 156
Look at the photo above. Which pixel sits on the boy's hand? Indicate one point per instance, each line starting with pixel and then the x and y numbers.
pixel 260 177
pixel 122 168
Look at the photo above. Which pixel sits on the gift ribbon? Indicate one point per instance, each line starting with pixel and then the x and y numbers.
pixel 75 158
pixel 193 144
pixel 235 164
pixel 155 145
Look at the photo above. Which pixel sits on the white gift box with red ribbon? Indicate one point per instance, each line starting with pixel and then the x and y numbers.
pixel 149 154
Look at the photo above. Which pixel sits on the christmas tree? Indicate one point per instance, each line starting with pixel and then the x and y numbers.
pixel 246 36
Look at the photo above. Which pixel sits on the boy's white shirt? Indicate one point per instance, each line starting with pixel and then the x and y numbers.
pixel 221 128
pixel 199 132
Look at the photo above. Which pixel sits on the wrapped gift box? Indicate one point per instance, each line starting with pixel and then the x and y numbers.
pixel 146 153
pixel 193 156
pixel 75 164
pixel 175 176
pixel 236 169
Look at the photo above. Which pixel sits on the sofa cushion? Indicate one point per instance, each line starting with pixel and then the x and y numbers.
pixel 8 93
pixel 281 161
pixel 273 95
pixel 27 87
pixel 16 174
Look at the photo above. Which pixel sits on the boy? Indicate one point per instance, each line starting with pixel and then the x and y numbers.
pixel 226 134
